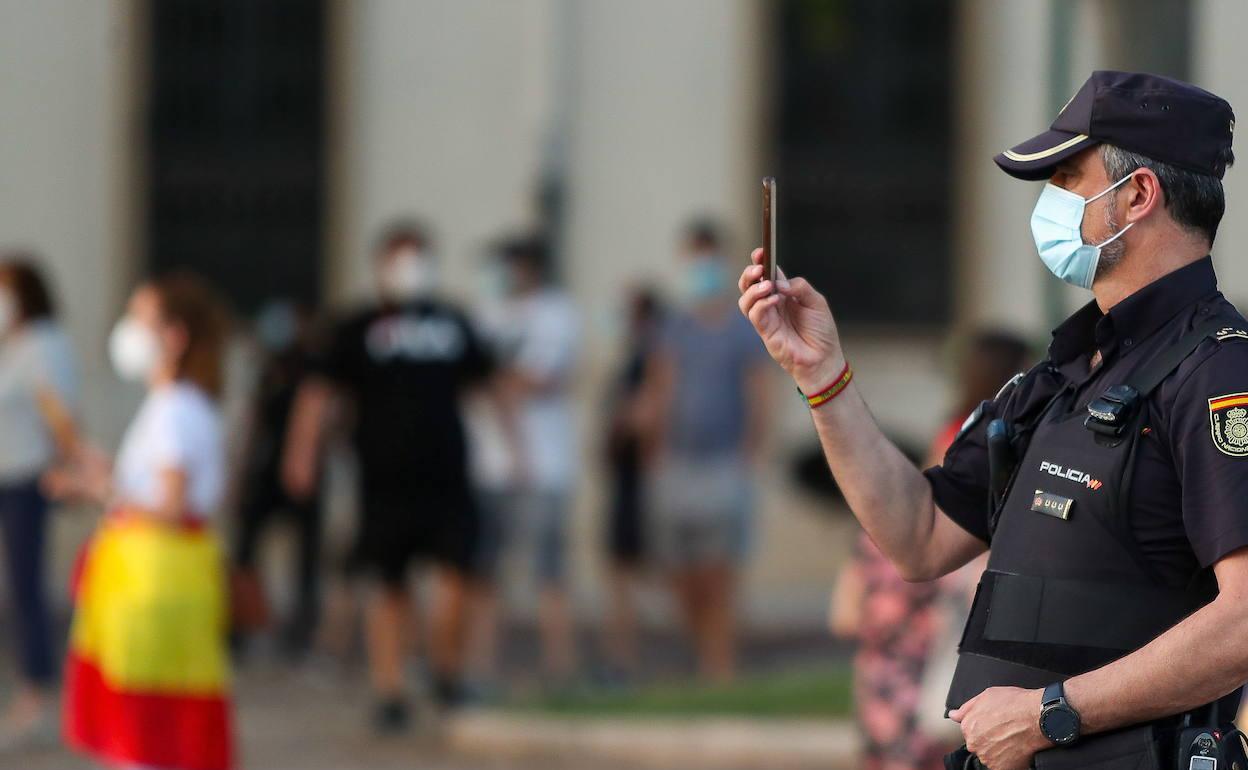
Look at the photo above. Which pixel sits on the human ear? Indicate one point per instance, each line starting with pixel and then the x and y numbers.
pixel 1143 195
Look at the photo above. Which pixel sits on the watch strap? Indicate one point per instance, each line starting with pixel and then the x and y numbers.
pixel 1053 701
pixel 1054 693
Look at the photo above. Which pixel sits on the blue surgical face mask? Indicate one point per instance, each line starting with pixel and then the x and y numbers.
pixel 1057 226
pixel 704 278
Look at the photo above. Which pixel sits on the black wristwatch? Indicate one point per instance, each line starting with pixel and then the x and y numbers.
pixel 1058 721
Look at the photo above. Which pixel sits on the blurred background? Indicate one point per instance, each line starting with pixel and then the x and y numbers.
pixel 264 144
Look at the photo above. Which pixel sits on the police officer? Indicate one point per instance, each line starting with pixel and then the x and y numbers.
pixel 1110 482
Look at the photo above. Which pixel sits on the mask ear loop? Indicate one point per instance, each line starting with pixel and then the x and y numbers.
pixel 1106 191
pixel 1112 187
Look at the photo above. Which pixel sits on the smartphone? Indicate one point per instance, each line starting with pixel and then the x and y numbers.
pixel 769 229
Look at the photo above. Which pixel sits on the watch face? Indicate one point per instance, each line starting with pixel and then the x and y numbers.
pixel 1059 725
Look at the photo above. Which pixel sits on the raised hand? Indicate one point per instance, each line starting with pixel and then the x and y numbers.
pixel 795 323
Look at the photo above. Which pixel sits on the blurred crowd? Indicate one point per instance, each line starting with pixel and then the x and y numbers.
pixel 467 449
pixel 464 435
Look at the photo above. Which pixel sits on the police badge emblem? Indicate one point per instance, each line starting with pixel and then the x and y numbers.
pixel 1228 423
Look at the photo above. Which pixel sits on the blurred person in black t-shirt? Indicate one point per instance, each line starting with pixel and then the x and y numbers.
pixel 285 332
pixel 402 366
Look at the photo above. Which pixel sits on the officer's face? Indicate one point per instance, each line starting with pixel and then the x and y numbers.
pixel 1084 174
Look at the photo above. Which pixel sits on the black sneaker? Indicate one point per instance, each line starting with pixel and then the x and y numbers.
pixel 391 717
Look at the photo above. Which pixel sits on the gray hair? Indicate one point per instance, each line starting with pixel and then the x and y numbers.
pixel 1195 201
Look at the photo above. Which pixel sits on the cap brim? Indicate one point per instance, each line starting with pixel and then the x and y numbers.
pixel 1037 157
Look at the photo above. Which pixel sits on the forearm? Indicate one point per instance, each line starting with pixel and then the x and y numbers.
pixel 1198 661
pixel 505 401
pixel 171 506
pixel 305 433
pixel 654 400
pixel 885 491
pixel 59 420
pixel 530 384
pixel 166 513
pixel 845 610
pixel 887 494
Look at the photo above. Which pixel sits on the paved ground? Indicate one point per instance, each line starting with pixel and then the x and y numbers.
pixel 304 719
pixel 702 743
pixel 295 721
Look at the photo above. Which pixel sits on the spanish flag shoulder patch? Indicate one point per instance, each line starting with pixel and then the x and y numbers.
pixel 1228 423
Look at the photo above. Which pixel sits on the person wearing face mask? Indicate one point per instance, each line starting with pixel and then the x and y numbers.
pixel 1116 470
pixel 286 332
pixel 38 396
pixel 402 365
pixel 533 326
pixel 705 395
pixel 147 673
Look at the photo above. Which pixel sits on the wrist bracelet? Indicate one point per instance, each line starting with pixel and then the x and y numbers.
pixel 832 391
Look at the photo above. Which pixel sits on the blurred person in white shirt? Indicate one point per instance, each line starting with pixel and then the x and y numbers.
pixel 535 330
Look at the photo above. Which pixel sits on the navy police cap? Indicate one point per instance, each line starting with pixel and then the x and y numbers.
pixel 1160 118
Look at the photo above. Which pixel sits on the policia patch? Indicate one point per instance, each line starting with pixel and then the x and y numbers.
pixel 1228 423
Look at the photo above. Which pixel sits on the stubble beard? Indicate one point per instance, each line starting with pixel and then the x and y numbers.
pixel 1113 252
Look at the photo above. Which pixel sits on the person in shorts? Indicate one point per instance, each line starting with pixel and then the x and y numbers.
pixel 625 445
pixel 708 393
pixel 402 367
pixel 535 328
pixel 286 333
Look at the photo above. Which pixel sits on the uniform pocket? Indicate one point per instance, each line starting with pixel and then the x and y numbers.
pixel 1133 748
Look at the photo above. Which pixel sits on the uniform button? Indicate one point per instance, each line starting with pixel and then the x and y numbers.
pixel 1204 310
pixel 1126 343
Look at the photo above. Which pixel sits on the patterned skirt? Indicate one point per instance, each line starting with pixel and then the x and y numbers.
pixel 147 677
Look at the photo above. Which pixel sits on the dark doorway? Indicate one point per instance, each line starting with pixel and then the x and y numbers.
pixel 236 137
pixel 863 154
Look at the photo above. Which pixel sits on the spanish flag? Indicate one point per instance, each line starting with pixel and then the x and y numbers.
pixel 147 680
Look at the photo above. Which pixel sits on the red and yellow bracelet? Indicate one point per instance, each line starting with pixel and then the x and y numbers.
pixel 832 391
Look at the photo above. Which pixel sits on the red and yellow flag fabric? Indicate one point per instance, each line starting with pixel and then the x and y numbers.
pixel 147 680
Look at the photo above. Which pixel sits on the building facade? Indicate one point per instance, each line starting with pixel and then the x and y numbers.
pixel 609 122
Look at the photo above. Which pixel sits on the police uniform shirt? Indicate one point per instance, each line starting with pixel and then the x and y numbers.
pixel 1188 494
pixel 406 369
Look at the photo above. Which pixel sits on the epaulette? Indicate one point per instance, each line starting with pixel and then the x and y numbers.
pixel 1229 333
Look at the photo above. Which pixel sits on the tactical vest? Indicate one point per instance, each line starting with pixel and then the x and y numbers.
pixel 1067 588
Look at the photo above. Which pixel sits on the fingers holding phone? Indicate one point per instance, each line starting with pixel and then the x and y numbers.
pixel 792 318
pixel 755 272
